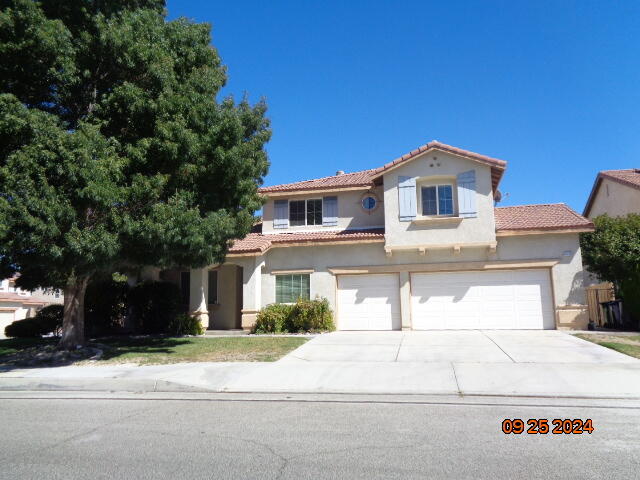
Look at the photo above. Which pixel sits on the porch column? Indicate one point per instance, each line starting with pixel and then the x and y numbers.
pixel 198 295
pixel 251 291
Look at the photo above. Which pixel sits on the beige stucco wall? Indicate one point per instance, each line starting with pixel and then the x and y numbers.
pixel 351 215
pixel 567 275
pixel 615 200
pixel 468 230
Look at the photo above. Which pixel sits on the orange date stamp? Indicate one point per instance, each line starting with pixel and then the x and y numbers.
pixel 542 426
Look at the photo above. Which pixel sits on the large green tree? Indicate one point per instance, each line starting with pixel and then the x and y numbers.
pixel 115 151
pixel 612 252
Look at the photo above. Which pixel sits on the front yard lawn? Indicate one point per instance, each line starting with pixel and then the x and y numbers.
pixel 627 344
pixel 15 345
pixel 149 350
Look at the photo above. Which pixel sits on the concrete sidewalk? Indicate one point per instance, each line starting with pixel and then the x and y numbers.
pixel 402 363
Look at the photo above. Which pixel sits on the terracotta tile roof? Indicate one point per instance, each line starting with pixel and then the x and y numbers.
pixel 367 177
pixel 355 179
pixel 260 243
pixel 629 177
pixel 14 297
pixel 555 216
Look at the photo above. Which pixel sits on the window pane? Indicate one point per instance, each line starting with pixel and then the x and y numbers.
pixel 291 287
pixel 305 290
pixel 314 212
pixel 213 286
pixel 369 203
pixel 445 199
pixel 279 293
pixel 429 204
pixel 296 212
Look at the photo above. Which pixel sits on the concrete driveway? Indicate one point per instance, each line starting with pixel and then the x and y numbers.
pixel 460 346
pixel 520 363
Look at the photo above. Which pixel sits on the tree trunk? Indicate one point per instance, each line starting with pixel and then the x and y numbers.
pixel 73 321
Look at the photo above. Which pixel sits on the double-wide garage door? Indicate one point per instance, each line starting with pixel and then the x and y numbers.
pixel 518 299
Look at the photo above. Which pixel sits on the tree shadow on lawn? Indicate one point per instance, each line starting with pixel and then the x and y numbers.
pixel 151 345
pixel 30 353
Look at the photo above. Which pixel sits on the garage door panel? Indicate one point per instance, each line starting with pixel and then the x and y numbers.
pixel 6 318
pixel 493 300
pixel 368 302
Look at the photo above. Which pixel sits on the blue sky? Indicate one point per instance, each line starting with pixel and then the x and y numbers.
pixel 551 87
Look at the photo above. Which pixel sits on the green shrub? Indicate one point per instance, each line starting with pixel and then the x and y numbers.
pixel 183 324
pixel 311 316
pixel 105 306
pixel 154 305
pixel 303 316
pixel 46 321
pixel 50 319
pixel 26 328
pixel 273 318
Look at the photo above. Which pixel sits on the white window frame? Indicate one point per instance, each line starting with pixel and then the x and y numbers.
pixel 275 284
pixel 437 186
pixel 306 224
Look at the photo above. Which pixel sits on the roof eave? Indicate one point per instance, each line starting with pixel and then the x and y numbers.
pixel 592 195
pixel 497 166
pixel 302 191
pixel 544 231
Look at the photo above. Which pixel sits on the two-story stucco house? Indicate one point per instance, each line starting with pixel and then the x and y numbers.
pixel 16 304
pixel 413 244
pixel 615 192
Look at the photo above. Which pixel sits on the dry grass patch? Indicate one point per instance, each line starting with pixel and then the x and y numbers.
pixel 150 350
pixel 627 344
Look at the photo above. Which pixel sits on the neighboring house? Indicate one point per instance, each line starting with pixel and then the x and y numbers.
pixel 615 192
pixel 413 244
pixel 16 304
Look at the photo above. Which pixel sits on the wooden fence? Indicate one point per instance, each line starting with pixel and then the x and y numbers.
pixel 596 294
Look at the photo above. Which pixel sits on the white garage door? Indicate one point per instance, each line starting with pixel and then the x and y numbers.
pixel 519 299
pixel 5 319
pixel 368 302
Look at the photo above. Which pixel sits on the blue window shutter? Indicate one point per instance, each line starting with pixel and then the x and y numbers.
pixel 281 214
pixel 467 194
pixel 407 198
pixel 330 211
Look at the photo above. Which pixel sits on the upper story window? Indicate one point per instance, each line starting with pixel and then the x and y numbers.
pixel 305 212
pixel 437 200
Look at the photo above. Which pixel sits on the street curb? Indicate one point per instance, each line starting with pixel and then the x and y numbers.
pixel 96 385
pixel 148 385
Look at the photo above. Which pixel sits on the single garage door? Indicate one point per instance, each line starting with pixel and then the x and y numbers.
pixel 518 299
pixel 6 318
pixel 368 302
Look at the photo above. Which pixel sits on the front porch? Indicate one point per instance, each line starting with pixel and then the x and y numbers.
pixel 224 297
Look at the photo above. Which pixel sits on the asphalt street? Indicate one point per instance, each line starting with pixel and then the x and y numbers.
pixel 218 437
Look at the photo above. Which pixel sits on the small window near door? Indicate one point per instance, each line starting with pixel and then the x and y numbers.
pixel 213 286
pixel 437 200
pixel 289 288
pixel 185 286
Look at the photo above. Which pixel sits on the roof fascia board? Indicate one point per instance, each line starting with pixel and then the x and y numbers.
pixel 312 191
